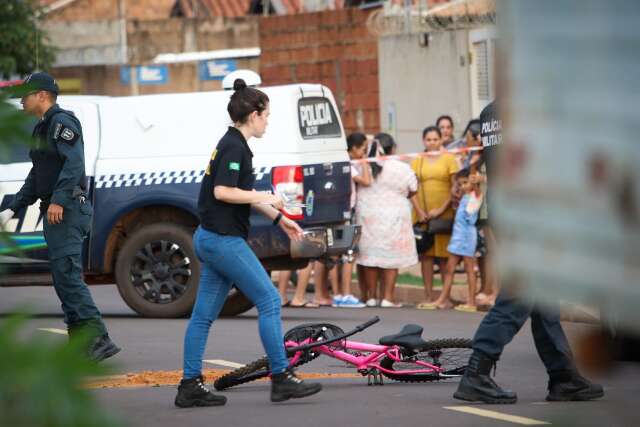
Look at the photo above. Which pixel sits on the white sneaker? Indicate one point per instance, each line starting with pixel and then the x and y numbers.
pixel 349 301
pixel 337 301
pixel 388 304
pixel 372 302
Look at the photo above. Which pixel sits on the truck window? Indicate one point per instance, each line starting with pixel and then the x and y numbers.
pixel 317 118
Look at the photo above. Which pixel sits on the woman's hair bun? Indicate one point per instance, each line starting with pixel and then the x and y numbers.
pixel 239 84
pixel 245 100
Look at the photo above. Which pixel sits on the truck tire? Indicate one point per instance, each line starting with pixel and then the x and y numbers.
pixel 236 303
pixel 157 273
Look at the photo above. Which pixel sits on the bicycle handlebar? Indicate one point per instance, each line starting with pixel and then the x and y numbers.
pixel 357 329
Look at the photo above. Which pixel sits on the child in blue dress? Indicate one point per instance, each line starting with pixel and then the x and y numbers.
pixel 463 243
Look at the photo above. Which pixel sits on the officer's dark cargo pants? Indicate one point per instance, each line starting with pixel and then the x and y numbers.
pixel 506 318
pixel 64 242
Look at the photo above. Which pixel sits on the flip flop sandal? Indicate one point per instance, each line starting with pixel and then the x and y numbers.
pixel 427 306
pixel 466 308
pixel 322 305
pixel 286 304
pixel 307 304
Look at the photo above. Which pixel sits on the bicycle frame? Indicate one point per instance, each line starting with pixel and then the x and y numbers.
pixel 367 362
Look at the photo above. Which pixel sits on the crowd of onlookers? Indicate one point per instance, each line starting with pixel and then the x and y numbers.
pixel 432 211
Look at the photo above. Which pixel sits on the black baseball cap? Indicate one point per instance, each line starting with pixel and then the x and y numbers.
pixel 34 83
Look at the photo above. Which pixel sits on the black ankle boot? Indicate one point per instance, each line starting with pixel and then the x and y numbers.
pixel 287 386
pixel 193 392
pixel 573 388
pixel 102 348
pixel 477 385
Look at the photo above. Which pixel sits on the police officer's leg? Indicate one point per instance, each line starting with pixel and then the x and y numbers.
pixel 551 342
pixel 496 330
pixel 64 243
pixel 500 325
pixel 77 304
pixel 565 383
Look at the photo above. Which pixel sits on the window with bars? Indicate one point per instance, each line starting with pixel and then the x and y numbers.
pixel 481 53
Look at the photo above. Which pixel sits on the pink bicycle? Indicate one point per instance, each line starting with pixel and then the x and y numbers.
pixel 404 356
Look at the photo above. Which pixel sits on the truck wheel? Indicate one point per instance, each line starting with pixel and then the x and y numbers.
pixel 157 273
pixel 236 303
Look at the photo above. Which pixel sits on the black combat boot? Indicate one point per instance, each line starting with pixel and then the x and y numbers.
pixel 287 386
pixel 573 387
pixel 102 348
pixel 477 385
pixel 193 392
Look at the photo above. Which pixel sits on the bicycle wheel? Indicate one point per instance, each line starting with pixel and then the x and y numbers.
pixel 254 371
pixel 260 368
pixel 450 354
pixel 250 372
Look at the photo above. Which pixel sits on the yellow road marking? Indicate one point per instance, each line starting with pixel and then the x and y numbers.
pixel 225 363
pixel 54 331
pixel 497 415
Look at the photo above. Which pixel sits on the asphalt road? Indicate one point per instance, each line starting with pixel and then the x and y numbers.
pixel 154 344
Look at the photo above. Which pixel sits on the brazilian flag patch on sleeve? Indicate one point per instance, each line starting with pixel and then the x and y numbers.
pixel 234 166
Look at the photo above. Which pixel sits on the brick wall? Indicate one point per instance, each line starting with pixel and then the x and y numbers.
pixel 333 48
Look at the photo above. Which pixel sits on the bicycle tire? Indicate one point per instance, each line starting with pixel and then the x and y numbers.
pixel 251 372
pixel 426 352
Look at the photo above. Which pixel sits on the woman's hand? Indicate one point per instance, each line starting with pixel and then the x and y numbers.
pixel 434 213
pixel 422 215
pixel 274 200
pixel 292 229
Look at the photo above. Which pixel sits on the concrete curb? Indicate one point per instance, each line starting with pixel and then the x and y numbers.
pixel 412 295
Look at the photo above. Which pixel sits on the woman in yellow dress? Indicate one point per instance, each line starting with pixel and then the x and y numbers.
pixel 436 174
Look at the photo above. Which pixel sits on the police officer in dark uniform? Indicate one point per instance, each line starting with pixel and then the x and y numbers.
pixel 58 179
pixel 509 314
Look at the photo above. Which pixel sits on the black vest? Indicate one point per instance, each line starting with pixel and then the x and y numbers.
pixel 47 162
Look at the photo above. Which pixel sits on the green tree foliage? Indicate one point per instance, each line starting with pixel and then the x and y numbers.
pixel 23 46
pixel 41 381
pixel 14 128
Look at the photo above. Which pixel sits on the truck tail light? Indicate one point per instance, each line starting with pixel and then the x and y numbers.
pixel 288 181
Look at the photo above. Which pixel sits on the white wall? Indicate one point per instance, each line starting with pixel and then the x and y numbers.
pixel 423 83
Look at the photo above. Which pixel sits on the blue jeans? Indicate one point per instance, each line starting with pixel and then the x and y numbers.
pixel 228 260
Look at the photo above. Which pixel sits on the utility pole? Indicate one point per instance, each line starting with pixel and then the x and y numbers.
pixel 124 54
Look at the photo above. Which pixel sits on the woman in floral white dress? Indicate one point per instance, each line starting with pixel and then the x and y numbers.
pixel 384 211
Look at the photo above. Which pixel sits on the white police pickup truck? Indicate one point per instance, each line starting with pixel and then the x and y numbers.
pixel 145 158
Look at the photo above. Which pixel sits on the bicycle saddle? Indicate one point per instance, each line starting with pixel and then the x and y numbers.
pixel 409 337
